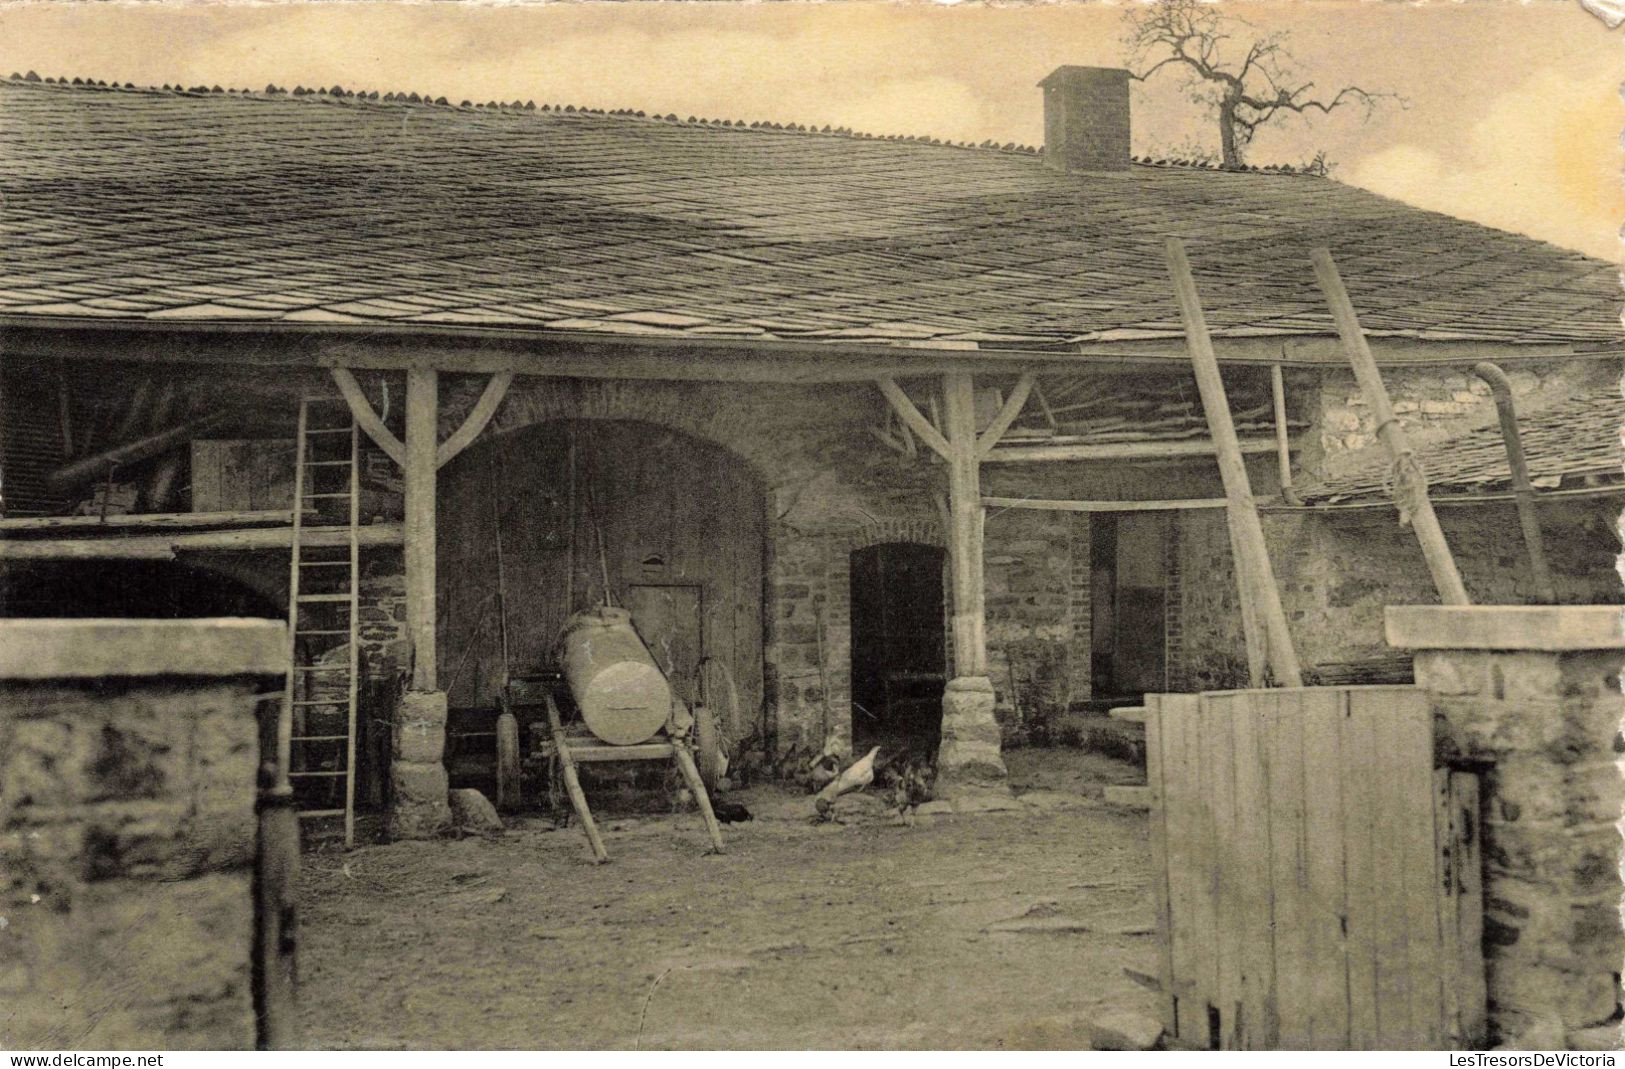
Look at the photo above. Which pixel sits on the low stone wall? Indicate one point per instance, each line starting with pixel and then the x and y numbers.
pixel 1532 696
pixel 128 758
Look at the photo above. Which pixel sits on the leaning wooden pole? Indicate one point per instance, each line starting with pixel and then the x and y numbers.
pixel 1410 485
pixel 1253 569
pixel 1522 489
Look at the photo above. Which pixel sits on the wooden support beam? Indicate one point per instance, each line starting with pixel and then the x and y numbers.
pixel 1055 505
pixel 912 419
pixel 1256 575
pixel 1410 486
pixel 422 418
pixel 478 417
pixel 366 418
pixel 965 519
pixel 168 547
pixel 26 525
pixel 1164 450
pixel 1007 414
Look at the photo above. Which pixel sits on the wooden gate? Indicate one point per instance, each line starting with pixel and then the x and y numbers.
pixel 1319 880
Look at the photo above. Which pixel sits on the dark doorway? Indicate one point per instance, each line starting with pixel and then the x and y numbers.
pixel 1128 654
pixel 898 656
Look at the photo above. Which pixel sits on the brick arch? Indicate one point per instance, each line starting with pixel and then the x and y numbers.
pixel 920 531
pixel 700 410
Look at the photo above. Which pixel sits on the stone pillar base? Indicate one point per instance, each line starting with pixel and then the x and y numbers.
pixel 418 806
pixel 968 760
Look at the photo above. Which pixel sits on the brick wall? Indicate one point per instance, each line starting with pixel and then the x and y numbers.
pixel 127 832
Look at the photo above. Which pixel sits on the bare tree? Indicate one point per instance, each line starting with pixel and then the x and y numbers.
pixel 1249 85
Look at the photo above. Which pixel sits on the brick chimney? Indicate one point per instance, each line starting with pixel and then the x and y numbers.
pixel 1086 119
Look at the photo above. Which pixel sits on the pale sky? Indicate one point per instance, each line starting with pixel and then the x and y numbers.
pixel 1513 113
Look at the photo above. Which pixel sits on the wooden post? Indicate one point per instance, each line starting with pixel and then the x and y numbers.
pixel 1410 489
pixel 1252 633
pixel 965 524
pixel 1283 446
pixel 1253 570
pixel 422 431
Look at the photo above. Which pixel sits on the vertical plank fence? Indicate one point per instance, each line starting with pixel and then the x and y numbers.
pixel 1319 883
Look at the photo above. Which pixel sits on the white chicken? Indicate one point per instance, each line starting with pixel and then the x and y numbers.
pixel 858 775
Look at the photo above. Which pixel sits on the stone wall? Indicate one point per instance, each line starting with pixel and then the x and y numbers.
pixel 1337 570
pixel 128 758
pixel 1532 697
pixel 1429 402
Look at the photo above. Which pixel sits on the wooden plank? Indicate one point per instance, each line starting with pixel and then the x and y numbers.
pixel 1410 490
pixel 1178 776
pixel 1204 862
pixel 1387 811
pixel 165 547
pixel 1058 505
pixel 1255 1023
pixel 1321 722
pixel 1164 450
pixel 1133 714
pixel 1294 967
pixel 1361 785
pixel 1411 761
pixel 1154 761
pixel 1467 881
pixel 1256 573
pixel 26 525
pixel 1219 715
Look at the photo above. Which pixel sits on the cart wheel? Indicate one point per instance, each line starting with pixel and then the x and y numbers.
pixel 707 746
pixel 507 762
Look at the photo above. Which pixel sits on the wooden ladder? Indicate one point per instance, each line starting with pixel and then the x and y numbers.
pixel 318 734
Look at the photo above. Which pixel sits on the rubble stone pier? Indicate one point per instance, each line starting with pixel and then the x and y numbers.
pixel 1531 695
pixel 128 759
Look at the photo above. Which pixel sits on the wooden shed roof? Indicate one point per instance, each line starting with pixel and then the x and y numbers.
pixel 1564 442
pixel 189 206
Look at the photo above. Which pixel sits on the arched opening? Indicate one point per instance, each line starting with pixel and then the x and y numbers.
pixel 899 659
pixel 539 522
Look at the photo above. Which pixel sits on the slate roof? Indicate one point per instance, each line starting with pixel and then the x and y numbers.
pixel 157 205
pixel 1564 441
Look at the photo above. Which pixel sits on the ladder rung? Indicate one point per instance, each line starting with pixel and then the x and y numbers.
pixel 324 563
pixel 301 631
pixel 327 463
pixel 320 738
pixel 315 775
pixel 311 814
pixel 313 497
pixel 324 597
pixel 327 430
pixel 321 701
pixel 321 668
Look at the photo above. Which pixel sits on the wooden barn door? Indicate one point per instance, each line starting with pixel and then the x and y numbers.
pixel 1319 880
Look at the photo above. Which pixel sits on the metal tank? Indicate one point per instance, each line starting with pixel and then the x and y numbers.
pixel 622 694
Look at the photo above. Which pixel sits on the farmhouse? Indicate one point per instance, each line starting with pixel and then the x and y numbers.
pixel 889 440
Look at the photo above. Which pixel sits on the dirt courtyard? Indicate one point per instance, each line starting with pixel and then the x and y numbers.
pixel 975 930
